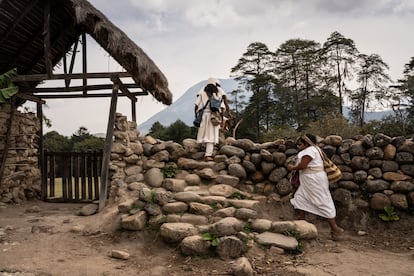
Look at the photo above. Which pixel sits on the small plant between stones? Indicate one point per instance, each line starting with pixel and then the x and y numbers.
pixel 170 172
pixel 300 248
pixel 389 215
pixel 211 237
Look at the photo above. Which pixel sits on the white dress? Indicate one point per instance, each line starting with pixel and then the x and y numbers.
pixel 313 194
pixel 207 132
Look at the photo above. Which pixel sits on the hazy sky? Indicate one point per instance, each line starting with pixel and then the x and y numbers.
pixel 191 40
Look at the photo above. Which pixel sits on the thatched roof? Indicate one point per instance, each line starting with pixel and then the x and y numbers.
pixel 22 40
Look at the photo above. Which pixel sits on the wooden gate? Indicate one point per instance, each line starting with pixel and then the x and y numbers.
pixel 71 176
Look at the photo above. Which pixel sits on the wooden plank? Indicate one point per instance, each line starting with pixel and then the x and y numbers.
pixel 30 98
pixel 65 96
pixel 107 149
pixel 42 77
pixel 74 88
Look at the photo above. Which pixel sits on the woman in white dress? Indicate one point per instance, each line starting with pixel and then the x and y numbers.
pixel 208 133
pixel 313 195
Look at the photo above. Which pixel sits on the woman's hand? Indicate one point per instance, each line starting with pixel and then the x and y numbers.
pixel 290 167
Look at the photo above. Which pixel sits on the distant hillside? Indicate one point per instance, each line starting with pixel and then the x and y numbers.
pixel 183 108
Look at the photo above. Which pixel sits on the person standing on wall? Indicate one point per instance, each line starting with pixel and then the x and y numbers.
pixel 208 133
pixel 313 195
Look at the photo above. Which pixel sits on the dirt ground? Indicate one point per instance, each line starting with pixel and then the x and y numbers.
pixel 38 238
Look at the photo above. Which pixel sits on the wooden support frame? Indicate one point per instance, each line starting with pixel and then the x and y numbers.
pixel 103 193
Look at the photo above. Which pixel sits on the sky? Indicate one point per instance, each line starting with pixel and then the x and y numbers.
pixel 192 40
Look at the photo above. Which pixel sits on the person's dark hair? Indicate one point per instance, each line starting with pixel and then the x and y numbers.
pixel 210 89
pixel 310 137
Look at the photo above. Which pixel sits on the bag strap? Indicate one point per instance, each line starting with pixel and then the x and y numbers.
pixel 321 152
pixel 204 106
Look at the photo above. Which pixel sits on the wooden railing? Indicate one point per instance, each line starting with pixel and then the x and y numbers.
pixel 71 176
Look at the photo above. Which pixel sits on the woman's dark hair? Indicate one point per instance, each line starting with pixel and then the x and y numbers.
pixel 310 137
pixel 210 89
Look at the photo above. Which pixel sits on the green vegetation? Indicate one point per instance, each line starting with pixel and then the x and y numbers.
pixel 7 88
pixel 170 172
pixel 211 237
pixel 389 215
pixel 300 248
pixel 302 87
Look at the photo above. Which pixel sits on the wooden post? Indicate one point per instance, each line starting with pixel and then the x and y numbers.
pixel 84 64
pixel 42 161
pixel 134 111
pixel 107 148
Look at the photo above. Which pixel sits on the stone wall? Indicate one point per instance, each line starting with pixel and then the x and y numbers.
pixel 377 170
pixel 166 185
pixel 21 178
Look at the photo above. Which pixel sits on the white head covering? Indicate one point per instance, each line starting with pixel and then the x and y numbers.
pixel 213 81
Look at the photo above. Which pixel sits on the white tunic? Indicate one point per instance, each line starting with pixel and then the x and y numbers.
pixel 313 194
pixel 207 132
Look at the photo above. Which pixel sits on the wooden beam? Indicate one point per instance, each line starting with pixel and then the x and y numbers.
pixel 72 63
pixel 103 193
pixel 123 88
pixel 84 64
pixel 78 96
pixel 29 97
pixel 46 38
pixel 73 88
pixel 21 16
pixel 42 77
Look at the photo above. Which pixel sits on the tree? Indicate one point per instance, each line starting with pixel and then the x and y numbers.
pixel 297 68
pixel 90 143
pixel 339 55
pixel 372 81
pixel 53 141
pixel 157 130
pixel 252 70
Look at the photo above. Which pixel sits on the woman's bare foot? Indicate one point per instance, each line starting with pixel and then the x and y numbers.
pixel 337 234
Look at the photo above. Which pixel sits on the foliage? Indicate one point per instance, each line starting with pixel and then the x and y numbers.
pixel 89 143
pixel 372 80
pixel 238 195
pixel 332 125
pixel 247 228
pixel 300 248
pixel 170 172
pixel 81 140
pixel 177 131
pixel 301 83
pixel 389 215
pixel 339 54
pixel 211 237
pixel 391 125
pixel 53 141
pixel 7 88
pixel 281 132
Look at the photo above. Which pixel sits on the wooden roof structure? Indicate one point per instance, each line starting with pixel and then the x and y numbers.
pixel 37 35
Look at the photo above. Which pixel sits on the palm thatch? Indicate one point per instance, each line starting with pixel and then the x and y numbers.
pixel 22 40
